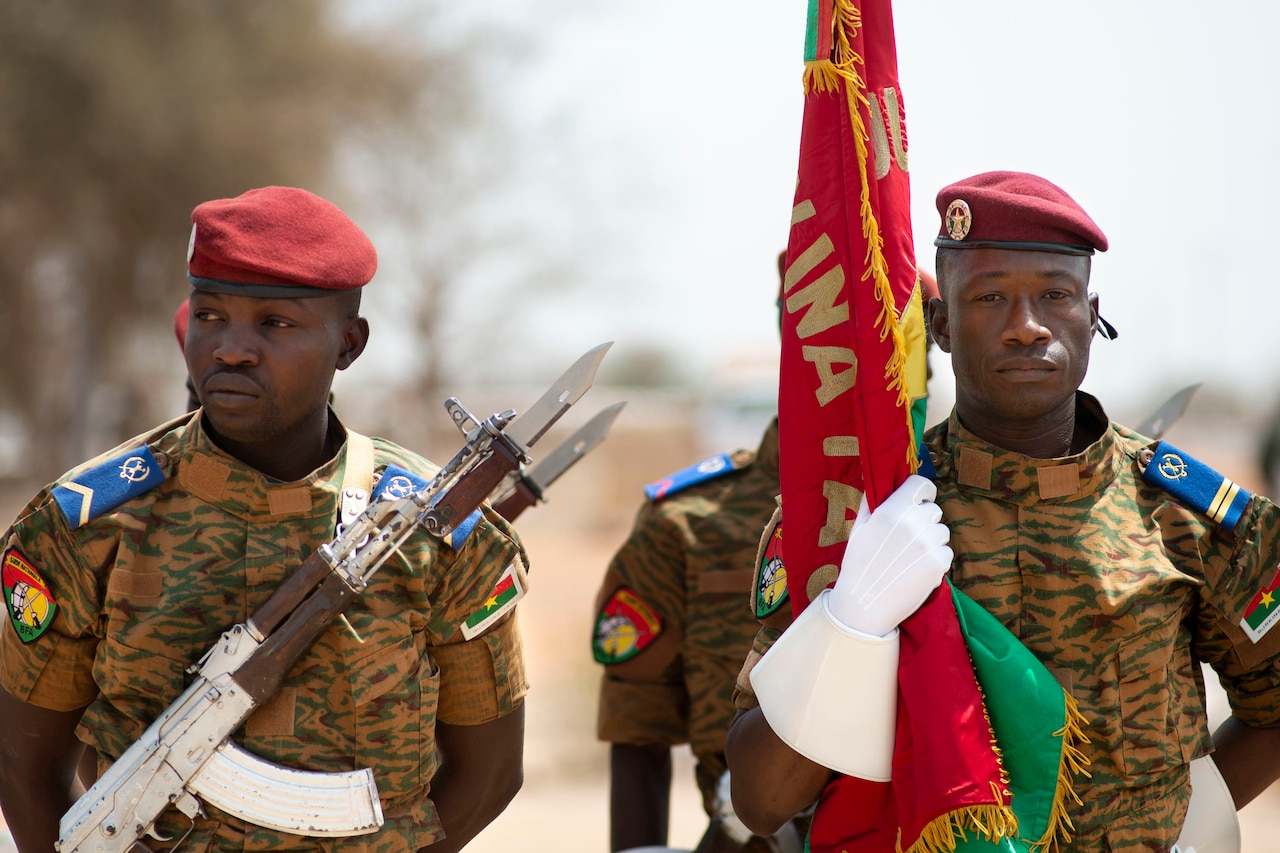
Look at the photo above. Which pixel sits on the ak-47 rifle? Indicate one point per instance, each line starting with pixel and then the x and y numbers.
pixel 524 488
pixel 186 757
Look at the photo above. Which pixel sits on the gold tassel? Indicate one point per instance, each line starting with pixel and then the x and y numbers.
pixel 823 76
pixel 1072 762
pixel 990 823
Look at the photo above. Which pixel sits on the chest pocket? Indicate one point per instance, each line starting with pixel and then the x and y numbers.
pixel 1159 704
pixel 396 692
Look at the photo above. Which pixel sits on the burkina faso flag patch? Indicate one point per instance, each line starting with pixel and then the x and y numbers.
pixel 501 600
pixel 1263 611
pixel 27 598
pixel 625 627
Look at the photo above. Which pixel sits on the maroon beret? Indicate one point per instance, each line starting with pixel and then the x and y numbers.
pixel 1015 210
pixel 277 242
pixel 180 320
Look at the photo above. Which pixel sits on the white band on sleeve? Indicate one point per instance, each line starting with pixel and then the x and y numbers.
pixel 831 693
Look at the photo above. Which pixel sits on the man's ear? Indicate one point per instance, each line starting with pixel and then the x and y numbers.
pixel 355 338
pixel 939 325
pixel 1094 316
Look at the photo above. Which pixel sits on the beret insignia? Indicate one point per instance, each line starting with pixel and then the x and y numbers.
pixel 958 219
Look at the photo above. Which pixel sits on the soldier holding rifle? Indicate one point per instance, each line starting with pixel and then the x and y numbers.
pixel 121 574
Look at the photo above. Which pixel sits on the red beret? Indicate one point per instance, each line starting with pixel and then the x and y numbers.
pixel 928 286
pixel 1015 210
pixel 180 319
pixel 277 242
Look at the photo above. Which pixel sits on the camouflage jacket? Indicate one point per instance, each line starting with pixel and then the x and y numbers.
pixel 1121 590
pixel 689 557
pixel 145 587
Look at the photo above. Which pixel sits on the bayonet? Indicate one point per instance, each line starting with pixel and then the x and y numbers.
pixel 563 393
pixel 527 487
pixel 1159 421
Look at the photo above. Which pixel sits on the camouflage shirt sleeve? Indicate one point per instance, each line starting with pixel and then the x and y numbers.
pixel 1240 569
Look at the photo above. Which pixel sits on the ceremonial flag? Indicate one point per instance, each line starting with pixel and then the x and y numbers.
pixel 850 408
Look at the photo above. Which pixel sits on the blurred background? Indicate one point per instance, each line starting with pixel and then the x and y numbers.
pixel 540 176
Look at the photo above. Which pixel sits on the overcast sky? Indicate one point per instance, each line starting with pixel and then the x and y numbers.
pixel 660 143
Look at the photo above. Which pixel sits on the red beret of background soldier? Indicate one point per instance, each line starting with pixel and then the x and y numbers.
pixel 123 572
pixel 1119 563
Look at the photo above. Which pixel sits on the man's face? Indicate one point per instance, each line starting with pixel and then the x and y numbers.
pixel 1018 326
pixel 263 367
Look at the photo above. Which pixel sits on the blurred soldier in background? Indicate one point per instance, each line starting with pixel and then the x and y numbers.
pixel 672 629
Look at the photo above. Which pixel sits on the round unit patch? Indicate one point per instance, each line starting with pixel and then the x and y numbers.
pixel 625 627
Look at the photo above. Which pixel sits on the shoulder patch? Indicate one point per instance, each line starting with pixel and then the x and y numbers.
pixel 106 486
pixel 625 627
pixel 396 483
pixel 1196 484
pixel 771 575
pixel 707 469
pixel 27 598
pixel 506 593
pixel 1263 611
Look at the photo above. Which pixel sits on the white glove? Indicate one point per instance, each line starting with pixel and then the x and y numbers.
pixel 895 557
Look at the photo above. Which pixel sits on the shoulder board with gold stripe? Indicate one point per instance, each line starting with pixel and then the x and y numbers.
pixel 106 486
pixel 396 483
pixel 1196 485
pixel 707 469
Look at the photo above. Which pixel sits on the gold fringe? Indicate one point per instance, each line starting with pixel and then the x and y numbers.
pixel 1072 762
pixel 990 823
pixel 825 75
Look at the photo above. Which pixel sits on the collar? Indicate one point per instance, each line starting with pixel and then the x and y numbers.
pixel 212 474
pixel 985 469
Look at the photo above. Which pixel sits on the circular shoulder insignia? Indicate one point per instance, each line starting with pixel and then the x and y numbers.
pixel 771 576
pixel 625 626
pixel 958 220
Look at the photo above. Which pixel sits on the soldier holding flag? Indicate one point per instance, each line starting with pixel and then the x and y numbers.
pixel 1048 692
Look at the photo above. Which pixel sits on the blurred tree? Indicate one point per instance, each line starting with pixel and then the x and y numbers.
pixel 118 118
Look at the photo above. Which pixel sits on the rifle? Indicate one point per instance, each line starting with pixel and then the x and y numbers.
pixel 523 488
pixel 186 757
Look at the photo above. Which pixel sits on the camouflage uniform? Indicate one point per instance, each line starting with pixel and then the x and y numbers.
pixel 145 588
pixel 1121 591
pixel 689 557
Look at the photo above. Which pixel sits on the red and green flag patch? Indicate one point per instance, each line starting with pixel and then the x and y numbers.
pixel 624 628
pixel 1263 611
pixel 502 599
pixel 27 598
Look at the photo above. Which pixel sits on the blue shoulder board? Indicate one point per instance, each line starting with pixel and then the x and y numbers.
pixel 106 486
pixel 1196 484
pixel 396 482
pixel 707 469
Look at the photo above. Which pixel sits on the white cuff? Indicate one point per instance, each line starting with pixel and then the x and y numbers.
pixel 1212 825
pixel 831 693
